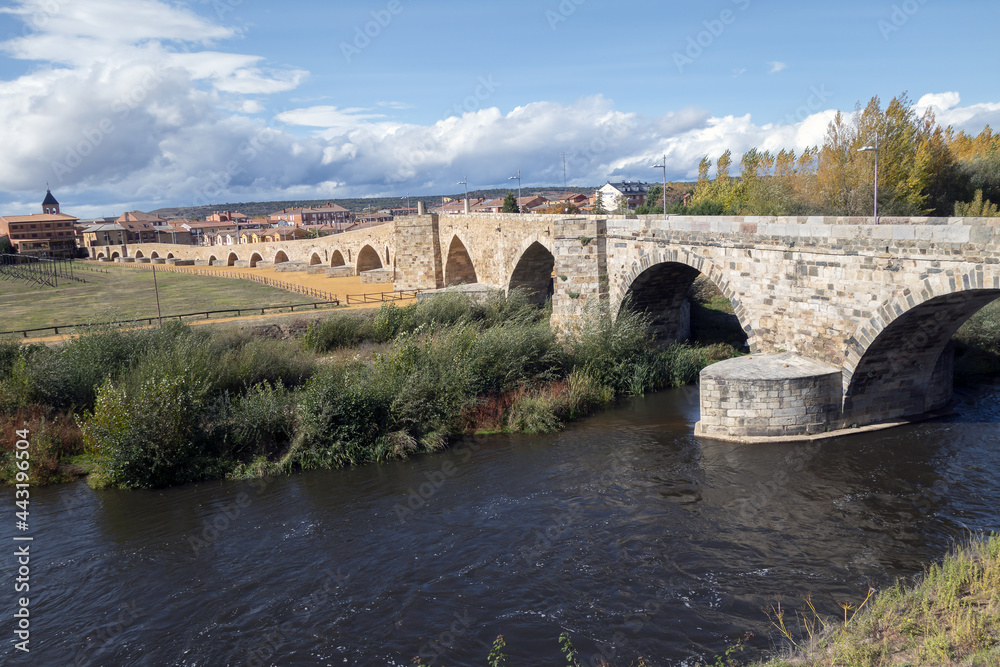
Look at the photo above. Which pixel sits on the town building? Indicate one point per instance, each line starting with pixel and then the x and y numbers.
pixel 228 216
pixel 47 234
pixel 330 214
pixel 630 193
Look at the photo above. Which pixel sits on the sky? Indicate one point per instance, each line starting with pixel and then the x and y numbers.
pixel 139 104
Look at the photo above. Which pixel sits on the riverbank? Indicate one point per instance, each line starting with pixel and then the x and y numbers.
pixel 157 407
pixel 949 616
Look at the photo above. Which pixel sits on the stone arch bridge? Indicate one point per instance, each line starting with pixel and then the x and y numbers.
pixel 848 322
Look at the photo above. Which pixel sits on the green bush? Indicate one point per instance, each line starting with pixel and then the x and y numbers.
pixel 149 437
pixel 339 331
pixel 607 349
pixel 259 423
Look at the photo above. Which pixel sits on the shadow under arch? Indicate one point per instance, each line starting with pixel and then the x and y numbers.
pixel 337 259
pixel 315 259
pixel 138 254
pixel 368 260
pixel 254 258
pixel 533 273
pixel 280 257
pixel 660 286
pixel 900 364
pixel 232 259
pixel 459 269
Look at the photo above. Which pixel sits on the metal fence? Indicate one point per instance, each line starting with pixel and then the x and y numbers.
pixel 37 270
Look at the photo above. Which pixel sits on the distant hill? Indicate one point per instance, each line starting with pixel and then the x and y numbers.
pixel 358 204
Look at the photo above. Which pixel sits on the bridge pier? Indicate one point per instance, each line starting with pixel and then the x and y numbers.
pixel 580 272
pixel 768 396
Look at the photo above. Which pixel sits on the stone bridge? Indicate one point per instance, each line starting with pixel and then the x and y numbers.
pixel 848 323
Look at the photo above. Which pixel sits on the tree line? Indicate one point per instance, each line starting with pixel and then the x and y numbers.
pixel 923 169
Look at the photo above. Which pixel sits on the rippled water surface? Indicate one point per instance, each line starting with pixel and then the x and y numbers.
pixel 624 530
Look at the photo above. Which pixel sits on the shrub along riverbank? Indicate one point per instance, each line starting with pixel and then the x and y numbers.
pixel 155 407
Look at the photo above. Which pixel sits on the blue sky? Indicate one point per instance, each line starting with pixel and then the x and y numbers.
pixel 121 104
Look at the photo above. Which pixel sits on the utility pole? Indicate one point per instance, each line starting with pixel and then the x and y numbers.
pixel 156 289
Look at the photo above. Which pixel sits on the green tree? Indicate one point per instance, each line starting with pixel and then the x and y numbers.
pixel 599 205
pixel 510 204
pixel 977 208
pixel 653 203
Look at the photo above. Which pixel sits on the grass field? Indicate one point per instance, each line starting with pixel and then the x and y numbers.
pixel 128 293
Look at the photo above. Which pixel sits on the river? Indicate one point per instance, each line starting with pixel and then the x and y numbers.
pixel 623 529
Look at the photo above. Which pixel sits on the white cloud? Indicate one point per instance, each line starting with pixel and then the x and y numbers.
pixel 776 66
pixel 155 119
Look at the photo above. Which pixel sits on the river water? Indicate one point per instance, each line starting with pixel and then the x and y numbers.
pixel 624 530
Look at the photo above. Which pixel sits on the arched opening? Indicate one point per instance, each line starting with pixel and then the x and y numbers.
pixel 368 259
pixel 315 259
pixel 100 255
pixel 170 255
pixel 154 255
pixel 254 258
pixel 458 268
pixel 211 260
pixel 232 259
pixel 533 273
pixel 337 259
pixel 684 304
pixel 138 254
pixel 908 368
pixel 115 255
pixel 280 257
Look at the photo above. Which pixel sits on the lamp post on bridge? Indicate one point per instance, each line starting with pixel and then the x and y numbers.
pixel 465 182
pixel 873 148
pixel 663 165
pixel 518 177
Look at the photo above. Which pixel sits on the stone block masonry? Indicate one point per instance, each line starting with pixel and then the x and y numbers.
pixel 879 303
pixel 776 395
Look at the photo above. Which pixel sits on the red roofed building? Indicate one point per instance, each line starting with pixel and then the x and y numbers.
pixel 46 234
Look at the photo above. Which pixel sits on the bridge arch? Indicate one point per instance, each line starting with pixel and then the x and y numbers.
pixel 154 255
pixel 100 255
pixel 280 257
pixel 337 259
pixel 532 270
pixel 232 259
pixel 115 255
pixel 212 259
pixel 368 259
pixel 315 259
pixel 170 255
pixel 659 284
pixel 138 254
pixel 458 269
pixel 254 258
pixel 898 363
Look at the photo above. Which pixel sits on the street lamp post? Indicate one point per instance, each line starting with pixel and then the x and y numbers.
pixel 465 182
pixel 874 148
pixel 663 165
pixel 518 177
